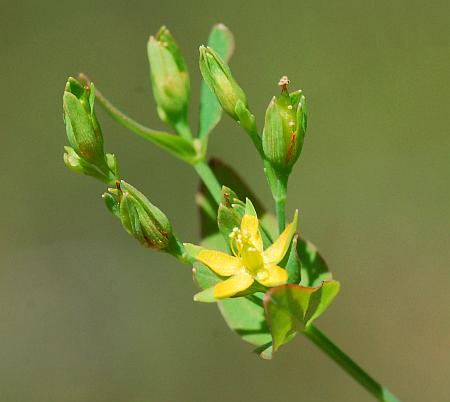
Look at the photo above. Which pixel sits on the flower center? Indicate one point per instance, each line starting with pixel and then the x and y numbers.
pixel 242 247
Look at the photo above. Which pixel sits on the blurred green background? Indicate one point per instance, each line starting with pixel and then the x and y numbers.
pixel 87 315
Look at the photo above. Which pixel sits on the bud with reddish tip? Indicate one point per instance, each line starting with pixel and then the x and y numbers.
pixel 284 128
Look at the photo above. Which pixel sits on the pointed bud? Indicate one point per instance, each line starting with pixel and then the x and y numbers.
pixel 83 131
pixel 221 82
pixel 141 218
pixel 284 128
pixel 169 76
pixel 86 154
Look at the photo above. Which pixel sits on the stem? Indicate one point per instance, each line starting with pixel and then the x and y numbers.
pixel 183 129
pixel 121 117
pixel 278 180
pixel 209 179
pixel 177 249
pixel 280 206
pixel 328 347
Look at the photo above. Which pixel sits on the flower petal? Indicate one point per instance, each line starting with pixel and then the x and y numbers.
pixel 221 263
pixel 272 275
pixel 250 225
pixel 275 253
pixel 237 283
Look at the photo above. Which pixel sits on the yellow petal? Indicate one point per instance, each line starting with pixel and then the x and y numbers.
pixel 221 263
pixel 275 253
pixel 272 275
pixel 250 225
pixel 237 283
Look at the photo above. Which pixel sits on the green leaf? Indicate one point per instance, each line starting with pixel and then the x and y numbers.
pixel 291 308
pixel 245 316
pixel 222 41
pixel 175 145
pixel 314 269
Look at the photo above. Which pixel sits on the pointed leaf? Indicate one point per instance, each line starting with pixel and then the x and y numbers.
pixel 245 316
pixel 314 269
pixel 177 146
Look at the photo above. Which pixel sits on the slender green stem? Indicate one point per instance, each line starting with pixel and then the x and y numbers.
pixel 121 117
pixel 209 179
pixel 177 249
pixel 183 129
pixel 375 388
pixel 280 207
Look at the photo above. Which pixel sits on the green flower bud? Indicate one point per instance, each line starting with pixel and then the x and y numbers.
pixel 219 79
pixel 83 131
pixel 169 76
pixel 86 154
pixel 141 218
pixel 284 128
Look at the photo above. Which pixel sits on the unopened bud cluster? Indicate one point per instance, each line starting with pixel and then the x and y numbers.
pixel 85 153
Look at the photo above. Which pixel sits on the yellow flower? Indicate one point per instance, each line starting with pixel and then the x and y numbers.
pixel 249 261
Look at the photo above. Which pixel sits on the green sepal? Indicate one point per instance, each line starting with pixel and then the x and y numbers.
pixel 112 204
pixel 249 208
pixel 292 262
pixel 222 41
pixel 79 165
pixel 206 296
pixel 230 212
pixel 113 164
pixel 246 119
pixel 291 308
